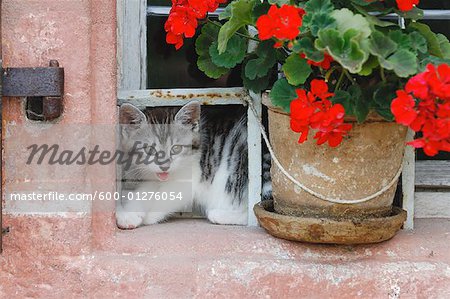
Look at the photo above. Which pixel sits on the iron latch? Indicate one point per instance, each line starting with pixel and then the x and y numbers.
pixel 43 87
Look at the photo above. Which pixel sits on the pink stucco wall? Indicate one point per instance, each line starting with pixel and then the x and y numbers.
pixel 81 35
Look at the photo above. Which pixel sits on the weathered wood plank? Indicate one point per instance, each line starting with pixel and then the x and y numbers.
pixel 132 44
pixel 179 97
pixel 254 159
pixel 408 183
pixel 432 205
pixel 154 10
pixel 433 174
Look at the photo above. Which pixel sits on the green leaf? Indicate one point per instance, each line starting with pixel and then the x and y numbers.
pixel 419 43
pixel 348 43
pixel 259 67
pixel 402 62
pixel 353 101
pixel 361 106
pixel 378 7
pixel 444 45
pixel 382 98
pixel 279 2
pixel 318 6
pixel 347 20
pixel 364 2
pixel 321 21
pixel 306 46
pixel 368 67
pixel 346 49
pixel 296 69
pixel 434 45
pixel 205 64
pixel 380 45
pixel 413 14
pixel 317 15
pixel 207 36
pixel 241 15
pixel 433 60
pixel 260 9
pixel 226 13
pixel 233 55
pixel 344 98
pixel 282 94
pixel 372 19
pixel 402 40
pixel 204 41
pixel 258 84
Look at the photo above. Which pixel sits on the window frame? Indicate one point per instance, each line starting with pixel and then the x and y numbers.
pixel 432 192
pixel 132 88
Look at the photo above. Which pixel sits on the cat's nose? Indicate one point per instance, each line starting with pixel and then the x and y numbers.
pixel 164 168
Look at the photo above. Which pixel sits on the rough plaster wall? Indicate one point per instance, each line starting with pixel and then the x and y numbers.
pixel 81 35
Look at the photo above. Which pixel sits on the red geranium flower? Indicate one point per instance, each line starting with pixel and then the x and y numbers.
pixel 406 5
pixel 319 88
pixel 431 115
pixel 281 23
pixel 314 110
pixel 182 21
pixel 403 108
pixel 439 81
pixel 335 136
pixel 174 39
pixel 418 86
pixel 324 64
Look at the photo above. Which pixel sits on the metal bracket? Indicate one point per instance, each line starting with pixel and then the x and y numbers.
pixel 45 83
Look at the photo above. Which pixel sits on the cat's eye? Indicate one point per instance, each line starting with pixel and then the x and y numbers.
pixel 175 150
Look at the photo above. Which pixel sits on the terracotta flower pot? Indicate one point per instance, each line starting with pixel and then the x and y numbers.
pixel 366 161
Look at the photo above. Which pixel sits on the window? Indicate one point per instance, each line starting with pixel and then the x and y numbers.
pixel 433 173
pixel 152 74
pixel 146 64
pixel 169 68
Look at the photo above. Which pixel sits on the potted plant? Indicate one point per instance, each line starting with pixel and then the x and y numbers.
pixel 346 78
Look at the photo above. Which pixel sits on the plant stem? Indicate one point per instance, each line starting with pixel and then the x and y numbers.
pixel 330 72
pixel 383 76
pixel 341 79
pixel 348 76
pixel 237 33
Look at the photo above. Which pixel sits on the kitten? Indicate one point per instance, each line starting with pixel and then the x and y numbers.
pixel 208 145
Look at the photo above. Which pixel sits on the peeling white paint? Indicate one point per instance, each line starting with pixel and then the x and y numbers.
pixel 311 170
pixel 297 189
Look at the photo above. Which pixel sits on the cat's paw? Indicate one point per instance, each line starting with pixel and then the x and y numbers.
pixel 227 217
pixel 129 220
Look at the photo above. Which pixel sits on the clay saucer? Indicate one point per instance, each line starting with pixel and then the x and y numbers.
pixel 329 231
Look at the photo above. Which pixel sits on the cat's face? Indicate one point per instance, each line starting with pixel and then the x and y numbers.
pixel 161 137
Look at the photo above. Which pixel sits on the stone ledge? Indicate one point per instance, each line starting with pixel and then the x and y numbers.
pixel 197 237
pixel 185 258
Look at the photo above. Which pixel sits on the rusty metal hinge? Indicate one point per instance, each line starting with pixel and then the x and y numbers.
pixel 43 84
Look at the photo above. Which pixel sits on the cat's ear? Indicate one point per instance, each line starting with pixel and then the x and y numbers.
pixel 189 115
pixel 130 115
